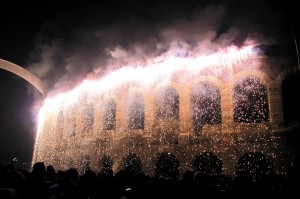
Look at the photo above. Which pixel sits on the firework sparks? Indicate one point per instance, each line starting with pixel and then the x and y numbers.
pixel 125 112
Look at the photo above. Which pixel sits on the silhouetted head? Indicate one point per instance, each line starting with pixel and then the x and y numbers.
pixel 188 176
pixel 72 173
pixel 39 167
pixel 50 169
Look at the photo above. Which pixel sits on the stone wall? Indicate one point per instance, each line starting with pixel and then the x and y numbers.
pixel 65 142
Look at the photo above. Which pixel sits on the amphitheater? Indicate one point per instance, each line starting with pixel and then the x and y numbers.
pixel 228 114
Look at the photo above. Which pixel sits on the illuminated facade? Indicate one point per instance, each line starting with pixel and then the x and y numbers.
pixel 228 114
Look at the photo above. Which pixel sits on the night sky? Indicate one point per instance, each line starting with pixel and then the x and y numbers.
pixel 63 43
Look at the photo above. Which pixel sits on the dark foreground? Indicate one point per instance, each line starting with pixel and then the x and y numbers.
pixel 47 183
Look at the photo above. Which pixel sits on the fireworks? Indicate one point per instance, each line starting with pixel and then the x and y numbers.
pixel 180 106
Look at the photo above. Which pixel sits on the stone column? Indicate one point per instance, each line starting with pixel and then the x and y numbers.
pixel 149 111
pixel 276 110
pixel 185 115
pixel 121 111
pixel 185 112
pixel 227 109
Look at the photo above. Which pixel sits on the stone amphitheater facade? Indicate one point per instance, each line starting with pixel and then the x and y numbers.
pixel 81 134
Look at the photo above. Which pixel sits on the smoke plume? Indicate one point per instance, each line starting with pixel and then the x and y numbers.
pixel 92 41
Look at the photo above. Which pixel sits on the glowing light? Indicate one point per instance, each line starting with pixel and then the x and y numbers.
pixel 154 72
pixel 162 70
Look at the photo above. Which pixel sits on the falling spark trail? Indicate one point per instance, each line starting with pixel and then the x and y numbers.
pixel 89 115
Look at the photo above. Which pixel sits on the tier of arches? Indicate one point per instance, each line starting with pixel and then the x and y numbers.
pixel 251 165
pixel 106 123
pixel 249 102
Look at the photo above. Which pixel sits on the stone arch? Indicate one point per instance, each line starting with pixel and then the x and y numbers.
pixel 251 100
pixel 136 111
pixel 280 78
pixel 184 105
pixel 109 114
pixel 166 116
pixel 206 106
pixel 290 89
pixel 266 80
pixel 88 118
pixel 166 165
pixel 69 163
pixel 166 104
pixel 84 164
pixel 210 79
pixel 173 85
pixel 254 166
pixel 25 74
pixel 133 164
pixel 207 163
pixel 105 163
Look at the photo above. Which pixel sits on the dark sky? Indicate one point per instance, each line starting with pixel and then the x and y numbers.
pixel 64 42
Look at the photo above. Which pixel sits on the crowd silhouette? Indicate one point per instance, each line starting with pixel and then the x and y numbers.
pixel 251 181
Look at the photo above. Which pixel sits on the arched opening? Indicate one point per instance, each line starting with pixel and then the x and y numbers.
pixel 166 105
pixel 290 98
pixel 88 118
pixel 136 113
pixel 167 166
pixel 166 114
pixel 106 164
pixel 254 166
pixel 251 101
pixel 208 164
pixel 109 115
pixel 133 164
pixel 206 106
pixel 69 163
pixel 60 124
pixel 84 164
pixel 71 120
pixel 55 162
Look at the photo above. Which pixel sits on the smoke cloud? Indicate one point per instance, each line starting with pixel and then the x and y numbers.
pixel 92 41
